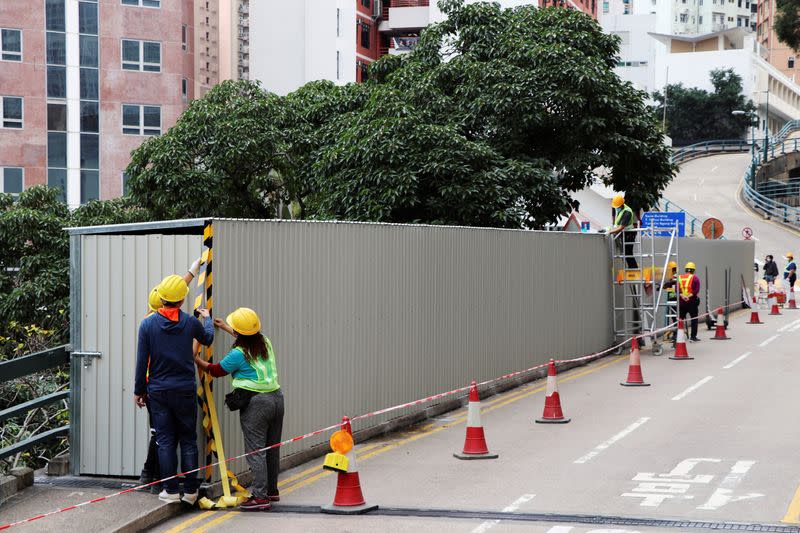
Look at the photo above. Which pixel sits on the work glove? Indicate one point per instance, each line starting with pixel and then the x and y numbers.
pixel 195 268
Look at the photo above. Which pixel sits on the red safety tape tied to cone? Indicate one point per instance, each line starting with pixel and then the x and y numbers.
pixel 360 417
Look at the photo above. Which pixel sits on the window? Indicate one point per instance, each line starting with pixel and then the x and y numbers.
pixel 364 34
pixel 791 62
pixel 88 84
pixel 55 13
pixel 56 149
pixel 700 19
pixel 56 82
pixel 142 3
pixel 57 179
pixel 11 180
pixel 141 55
pixel 88 51
pixel 90 117
pixel 57 117
pixel 605 7
pixel 11 112
pixel 185 89
pixel 141 120
pixel 338 64
pixel 184 37
pixel 56 48
pixel 10 45
pixel 90 185
pixel 730 19
pixel 362 69
pixel 366 3
pixel 90 151
pixel 87 18
pixel 684 17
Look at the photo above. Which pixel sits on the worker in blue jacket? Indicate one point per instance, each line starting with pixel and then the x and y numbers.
pixel 165 340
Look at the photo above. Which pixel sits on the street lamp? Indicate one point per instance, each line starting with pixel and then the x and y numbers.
pixel 766 124
pixel 753 124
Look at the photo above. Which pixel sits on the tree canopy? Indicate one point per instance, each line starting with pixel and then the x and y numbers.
pixel 787 22
pixel 695 115
pixel 493 119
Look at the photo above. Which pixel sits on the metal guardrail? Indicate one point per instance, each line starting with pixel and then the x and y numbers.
pixel 702 149
pixel 762 202
pixel 24 366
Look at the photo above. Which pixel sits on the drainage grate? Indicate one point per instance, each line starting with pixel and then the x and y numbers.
pixel 549 517
pixel 84 482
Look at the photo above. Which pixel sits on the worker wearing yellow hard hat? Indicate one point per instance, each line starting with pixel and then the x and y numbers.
pixel 150 470
pixel 688 287
pixel 624 220
pixel 790 272
pixel 257 396
pixel 165 383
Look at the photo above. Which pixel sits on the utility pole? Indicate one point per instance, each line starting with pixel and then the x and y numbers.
pixel 664 118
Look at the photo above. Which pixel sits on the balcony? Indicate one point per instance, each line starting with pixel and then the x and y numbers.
pixel 405 15
pixel 402 45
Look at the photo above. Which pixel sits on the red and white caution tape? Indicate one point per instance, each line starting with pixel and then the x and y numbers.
pixel 359 417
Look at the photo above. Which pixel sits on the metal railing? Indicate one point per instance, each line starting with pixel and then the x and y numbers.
pixel 25 366
pixel 692 222
pixel 702 149
pixel 764 201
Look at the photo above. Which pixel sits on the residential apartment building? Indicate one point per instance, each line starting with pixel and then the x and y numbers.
pixel 83 84
pixel 779 54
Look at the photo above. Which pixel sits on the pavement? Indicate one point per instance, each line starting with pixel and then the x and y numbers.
pixel 711 443
pixel 709 187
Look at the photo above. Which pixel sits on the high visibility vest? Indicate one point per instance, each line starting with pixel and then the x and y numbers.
pixel 266 370
pixel 621 211
pixel 685 282
pixel 671 290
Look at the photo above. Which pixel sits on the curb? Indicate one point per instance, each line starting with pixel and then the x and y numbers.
pixel 152 517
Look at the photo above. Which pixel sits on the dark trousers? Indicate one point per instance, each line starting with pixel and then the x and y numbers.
pixel 262 425
pixel 174 419
pixel 690 308
pixel 151 462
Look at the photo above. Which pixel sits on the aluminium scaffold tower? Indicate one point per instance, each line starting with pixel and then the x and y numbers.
pixel 640 269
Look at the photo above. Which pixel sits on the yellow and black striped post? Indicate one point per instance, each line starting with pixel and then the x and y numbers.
pixel 214 448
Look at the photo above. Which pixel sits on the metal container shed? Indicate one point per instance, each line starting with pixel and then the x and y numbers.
pixel 361 315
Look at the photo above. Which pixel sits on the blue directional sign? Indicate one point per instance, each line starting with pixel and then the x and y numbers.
pixel 665 220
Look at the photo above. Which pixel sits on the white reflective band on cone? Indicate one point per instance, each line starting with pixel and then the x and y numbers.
pixel 551 385
pixel 352 466
pixel 474 415
pixel 681 335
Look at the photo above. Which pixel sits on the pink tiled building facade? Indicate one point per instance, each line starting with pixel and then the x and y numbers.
pixel 83 83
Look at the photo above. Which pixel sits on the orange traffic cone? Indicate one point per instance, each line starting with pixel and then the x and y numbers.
pixel 773 301
pixel 680 344
pixel 475 442
pixel 754 319
pixel 719 334
pixel 348 498
pixel 552 401
pixel 792 303
pixel 635 378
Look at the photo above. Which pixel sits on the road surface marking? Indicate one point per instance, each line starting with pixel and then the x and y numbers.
pixel 724 494
pixel 737 360
pixel 655 489
pixel 789 326
pixel 793 512
pixel 714 169
pixel 695 197
pixel 183 525
pixel 619 436
pixel 489 524
pixel 768 341
pixel 795 328
pixel 216 522
pixel 693 388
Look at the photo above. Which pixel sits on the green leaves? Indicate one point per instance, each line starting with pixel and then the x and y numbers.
pixel 787 22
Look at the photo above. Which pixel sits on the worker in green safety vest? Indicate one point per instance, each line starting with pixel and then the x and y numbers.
pixel 258 398
pixel 624 220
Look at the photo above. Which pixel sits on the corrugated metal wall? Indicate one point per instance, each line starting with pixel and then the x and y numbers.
pixel 364 316
pixel 117 274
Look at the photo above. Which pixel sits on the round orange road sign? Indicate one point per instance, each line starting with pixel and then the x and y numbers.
pixel 713 228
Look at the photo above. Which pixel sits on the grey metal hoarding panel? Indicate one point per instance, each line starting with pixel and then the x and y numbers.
pixel 364 316
pixel 116 276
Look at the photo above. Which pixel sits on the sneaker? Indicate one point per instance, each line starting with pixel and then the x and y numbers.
pixel 694 339
pixel 146 478
pixel 255 504
pixel 273 497
pixel 190 498
pixel 165 496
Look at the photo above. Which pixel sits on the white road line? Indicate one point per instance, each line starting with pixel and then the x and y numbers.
pixel 715 168
pixel 768 341
pixel 693 388
pixel 560 529
pixel 736 361
pixel 789 326
pixel 619 436
pixel 489 524
pixel 795 328
pixel 724 494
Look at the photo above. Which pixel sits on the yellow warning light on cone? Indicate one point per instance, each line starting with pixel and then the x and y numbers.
pixel 341 443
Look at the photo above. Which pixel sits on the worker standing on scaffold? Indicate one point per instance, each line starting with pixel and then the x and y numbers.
pixel 688 301
pixel 623 221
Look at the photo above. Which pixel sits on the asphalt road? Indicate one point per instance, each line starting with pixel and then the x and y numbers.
pixel 713 439
pixel 709 187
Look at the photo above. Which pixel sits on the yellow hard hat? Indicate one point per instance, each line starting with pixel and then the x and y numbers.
pixel 690 266
pixel 244 321
pixel 173 288
pixel 789 255
pixel 617 201
pixel 154 300
pixel 671 265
